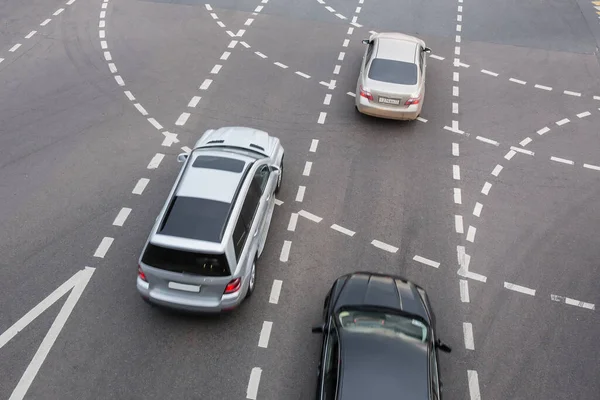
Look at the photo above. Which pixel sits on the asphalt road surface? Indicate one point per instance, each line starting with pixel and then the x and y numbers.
pixel 491 200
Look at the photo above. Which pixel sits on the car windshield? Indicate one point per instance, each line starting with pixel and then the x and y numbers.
pixel 370 321
pixel 392 71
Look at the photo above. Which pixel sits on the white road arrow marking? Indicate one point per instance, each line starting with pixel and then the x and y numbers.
pixel 170 138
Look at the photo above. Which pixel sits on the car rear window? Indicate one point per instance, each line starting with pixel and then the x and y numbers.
pixel 391 71
pixel 220 163
pixel 185 261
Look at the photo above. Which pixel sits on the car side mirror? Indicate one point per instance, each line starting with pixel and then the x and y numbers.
pixel 182 157
pixel 318 328
pixel 443 346
pixel 366 41
pixel 275 168
pixel 427 50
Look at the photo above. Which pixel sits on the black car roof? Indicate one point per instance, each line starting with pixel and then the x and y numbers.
pixel 373 289
pixel 377 366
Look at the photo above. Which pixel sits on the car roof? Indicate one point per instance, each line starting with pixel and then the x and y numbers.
pixel 382 367
pixel 380 290
pixel 398 49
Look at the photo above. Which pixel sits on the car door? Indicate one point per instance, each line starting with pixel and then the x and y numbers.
pixel 328 379
pixel 269 178
pixel 434 373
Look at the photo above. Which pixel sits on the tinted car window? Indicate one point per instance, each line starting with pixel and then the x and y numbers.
pixel 220 163
pixel 185 261
pixel 391 71
pixel 375 321
pixel 262 177
pixel 240 233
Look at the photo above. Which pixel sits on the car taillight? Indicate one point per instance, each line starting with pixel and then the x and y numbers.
pixel 412 100
pixel 364 93
pixel 233 286
pixel 141 274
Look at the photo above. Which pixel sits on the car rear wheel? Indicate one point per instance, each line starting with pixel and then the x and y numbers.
pixel 252 282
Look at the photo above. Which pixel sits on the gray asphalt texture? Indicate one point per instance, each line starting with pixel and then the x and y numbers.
pixel 72 147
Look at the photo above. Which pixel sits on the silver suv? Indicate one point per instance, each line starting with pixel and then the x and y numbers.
pixel 201 253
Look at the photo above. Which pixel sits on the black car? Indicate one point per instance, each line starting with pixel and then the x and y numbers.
pixel 379 340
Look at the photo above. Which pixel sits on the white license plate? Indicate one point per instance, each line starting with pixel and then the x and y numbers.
pixel 185 288
pixel 389 101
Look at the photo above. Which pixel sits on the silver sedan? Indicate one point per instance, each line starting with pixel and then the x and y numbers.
pixel 391 83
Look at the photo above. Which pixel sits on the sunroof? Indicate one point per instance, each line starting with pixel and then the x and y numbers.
pixel 220 163
pixel 196 218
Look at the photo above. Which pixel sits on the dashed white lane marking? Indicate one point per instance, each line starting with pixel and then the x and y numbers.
pixel 455 91
pixel 225 55
pixel 426 261
pixel 155 162
pixel 576 94
pixel 252 390
pixel 455 149
pixel 346 42
pixel 261 55
pixel 206 84
pixel 590 166
pixel 357 11
pixel 302 74
pixel 249 21
pixel 313 145
pixel 584 114
pixel 384 246
pixel 562 121
pixel 216 69
pixel 278 202
pixel 119 80
pixel 194 101
pixel 418 118
pixel 562 160
pixel 457 50
pixel 182 119
pixel 458 27
pixel 343 230
pixel 510 154
pixel 258 9
pixel 330 9
pixel 30 34
pixel 140 186
pixel 572 302
pixel 464 291
pixel 327 99
pixel 300 194
pixel 525 141
pixel 246 45
pixel 310 216
pixel 103 247
pixel 457 196
pixel 456 172
pixel 455 76
pixel 520 289
pixel 454 108
pixel 473 385
pixel 436 57
pixel 523 151
pixel 285 251
pixel 336 70
pixel 155 123
pixel 275 291
pixel 129 95
pixel 107 56
pixel 57 12
pixel 497 170
pixel 113 69
pixel 70 2
pixel 265 334
pixel 208 7
pixel 46 21
pixel 486 140
pixel 232 44
pixel 322 117
pixel 520 82
pixel 548 88
pixel 102 34
pixel 122 216
pixel 485 71
pixel 468 334
pixel 188 151
pixel 15 47
pixel 486 188
pixel 471 234
pixel 340 16
pixel 240 33
pixel 458 224
pixel 293 221
pixel 307 168
pixel 477 209
pixel 543 130
pixel 101 24
pixel 280 65
pixel 341 56
pixel 228 32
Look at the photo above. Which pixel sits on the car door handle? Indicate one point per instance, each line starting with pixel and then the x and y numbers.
pixel 256 232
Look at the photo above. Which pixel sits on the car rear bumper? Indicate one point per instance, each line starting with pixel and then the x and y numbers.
pixel 376 110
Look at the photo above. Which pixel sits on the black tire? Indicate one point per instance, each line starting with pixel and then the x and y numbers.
pixel 252 283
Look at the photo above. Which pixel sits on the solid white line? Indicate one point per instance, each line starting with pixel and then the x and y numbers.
pixel 300 194
pixel 520 289
pixel 48 20
pixel 310 216
pixel 182 119
pixel 322 117
pixel 313 145
pixel 468 334
pixel 140 186
pixel 122 216
pixel 520 150
pixel 119 80
pixel 485 71
pixel 562 121
pixel 103 247
pixel 327 99
pixel 15 47
pixel 510 154
pixel 584 114
pixel 456 172
pixel 302 74
pixel 293 221
pixel 216 69
pixel 434 56
pixel 548 88
pixel 343 230
pixel 59 322
pixel 206 84
pixel 520 82
pixel 543 130
pixel 384 246
pixel 254 381
pixel 265 334
pixel 562 160
pixel 473 385
pixel 341 56
pixel 194 101
pixel 486 188
pixel 336 70
pixel 307 168
pixel 590 166
pixel 576 94
pixel 426 261
pixel 572 302
pixel 275 291
pixel 285 251
pixel 525 141
pixel 129 95
pixel 486 140
pixel 60 10
pixel 280 65
pixel 497 170
pixel 155 123
pixel 455 149
pixel 458 224
pixel 471 234
pixel 464 291
pixel 30 34
pixel 155 162
pixel 261 55
pixel 477 209
pixel 457 196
